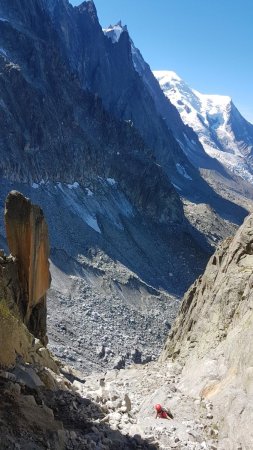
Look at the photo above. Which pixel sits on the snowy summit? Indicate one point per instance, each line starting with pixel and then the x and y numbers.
pixel 114 31
pixel 223 132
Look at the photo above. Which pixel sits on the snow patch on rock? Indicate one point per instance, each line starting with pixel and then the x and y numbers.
pixel 110 203
pixel 89 192
pixel 181 170
pixel 114 32
pixel 111 181
pixel 176 187
pixel 74 185
pixel 3 52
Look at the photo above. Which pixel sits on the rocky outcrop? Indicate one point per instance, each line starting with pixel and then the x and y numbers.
pixel 12 331
pixel 24 280
pixel 27 237
pixel 213 334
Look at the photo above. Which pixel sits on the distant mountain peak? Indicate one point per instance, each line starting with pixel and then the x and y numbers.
pixel 90 7
pixel 114 32
pixel 223 132
pixel 170 77
pixel 167 76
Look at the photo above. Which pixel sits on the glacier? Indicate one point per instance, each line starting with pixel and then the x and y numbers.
pixel 222 130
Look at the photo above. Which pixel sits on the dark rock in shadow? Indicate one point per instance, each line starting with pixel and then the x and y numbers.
pixel 38 419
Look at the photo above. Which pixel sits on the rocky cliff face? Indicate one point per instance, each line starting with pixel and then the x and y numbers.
pixel 13 337
pixel 212 337
pixel 55 119
pixel 168 112
pixel 27 237
pixel 25 276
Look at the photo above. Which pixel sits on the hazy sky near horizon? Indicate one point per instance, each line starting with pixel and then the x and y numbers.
pixel 208 43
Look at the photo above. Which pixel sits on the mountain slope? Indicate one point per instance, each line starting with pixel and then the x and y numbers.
pixel 188 141
pixel 223 132
pixel 98 63
pixel 116 223
pixel 165 109
pixel 223 181
pixel 42 401
pixel 212 338
pixel 54 119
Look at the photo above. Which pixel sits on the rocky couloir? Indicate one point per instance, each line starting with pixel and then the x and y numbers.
pixel 204 374
pixel 212 338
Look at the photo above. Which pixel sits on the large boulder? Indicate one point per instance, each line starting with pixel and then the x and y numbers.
pixel 213 338
pixel 27 237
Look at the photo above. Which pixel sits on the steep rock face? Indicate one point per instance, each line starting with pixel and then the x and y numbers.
pixel 24 280
pixel 107 70
pixel 212 337
pixel 46 114
pixel 17 343
pixel 12 332
pixel 188 182
pixel 169 113
pixel 27 237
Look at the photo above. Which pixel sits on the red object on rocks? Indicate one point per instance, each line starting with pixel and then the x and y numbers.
pixel 158 407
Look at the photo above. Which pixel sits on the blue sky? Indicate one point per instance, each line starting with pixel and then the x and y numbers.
pixel 209 43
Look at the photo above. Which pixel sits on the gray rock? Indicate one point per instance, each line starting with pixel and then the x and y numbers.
pixel 216 314
pixel 127 403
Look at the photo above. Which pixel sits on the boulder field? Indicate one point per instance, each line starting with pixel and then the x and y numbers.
pixel 204 374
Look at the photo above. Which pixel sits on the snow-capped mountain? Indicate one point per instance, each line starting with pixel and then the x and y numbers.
pixel 222 130
pixel 185 136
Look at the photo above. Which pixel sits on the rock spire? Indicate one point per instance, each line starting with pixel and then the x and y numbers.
pixel 27 237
